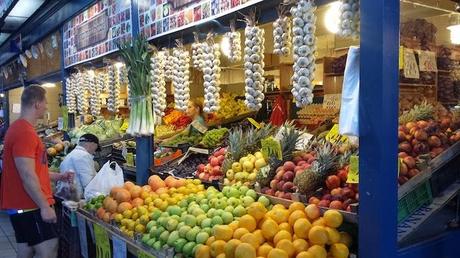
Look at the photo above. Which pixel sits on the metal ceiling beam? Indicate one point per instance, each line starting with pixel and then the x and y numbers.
pixel 7 12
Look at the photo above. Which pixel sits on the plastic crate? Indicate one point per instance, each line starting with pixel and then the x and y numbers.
pixel 445 176
pixel 414 200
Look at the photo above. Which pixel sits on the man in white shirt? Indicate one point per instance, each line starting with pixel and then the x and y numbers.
pixel 80 160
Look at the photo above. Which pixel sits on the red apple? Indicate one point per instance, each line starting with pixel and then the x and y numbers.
pixel 336 192
pixel 311 159
pixel 214 161
pixel 289 166
pixel 288 186
pixel 201 168
pixel 326 197
pixel 288 176
pixel 279 194
pixel 313 200
pixel 280 184
pixel 279 174
pixel 343 175
pixel 324 203
pixel 221 159
pixel 287 196
pixel 270 192
pixel 298 168
pixel 336 205
pixel 332 182
pixel 215 170
pixel 297 159
pixel 273 184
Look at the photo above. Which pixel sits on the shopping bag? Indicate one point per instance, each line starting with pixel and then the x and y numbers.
pixel 66 191
pixel 349 111
pixel 104 181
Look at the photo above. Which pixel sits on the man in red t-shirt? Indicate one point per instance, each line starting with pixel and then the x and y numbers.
pixel 25 186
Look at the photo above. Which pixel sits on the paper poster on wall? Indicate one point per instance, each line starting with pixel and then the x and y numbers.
pixel 427 60
pixel 96 31
pixel 161 17
pixel 16 108
pixel 411 69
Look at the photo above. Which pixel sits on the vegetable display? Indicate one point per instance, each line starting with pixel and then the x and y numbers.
pixel 214 137
pixel 158 84
pixel 181 76
pixel 304 45
pixel 137 60
pixel 254 63
pixel 211 76
pixel 71 88
pixel 282 33
pixel 349 19
pixel 103 129
pixel 235 43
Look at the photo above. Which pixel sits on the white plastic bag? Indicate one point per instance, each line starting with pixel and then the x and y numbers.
pixel 349 111
pixel 105 179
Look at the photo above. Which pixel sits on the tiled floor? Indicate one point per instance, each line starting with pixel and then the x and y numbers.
pixel 7 240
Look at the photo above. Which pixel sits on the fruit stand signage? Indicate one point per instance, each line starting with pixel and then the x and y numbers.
pixel 333 135
pixel 427 60
pixel 96 31
pixel 353 173
pixel 271 147
pixel 332 101
pixel 161 17
pixel 411 69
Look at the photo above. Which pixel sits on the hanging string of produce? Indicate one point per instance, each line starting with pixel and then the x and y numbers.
pixel 181 76
pixel 235 43
pixel 168 64
pixel 197 53
pixel 95 107
pixel 113 89
pixel 282 33
pixel 71 94
pixel 349 18
pixel 253 63
pixel 211 75
pixel 137 59
pixel 304 46
pixel 157 74
pixel 82 100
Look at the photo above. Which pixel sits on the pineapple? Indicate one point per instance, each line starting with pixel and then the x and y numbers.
pixel 254 136
pixel 308 181
pixel 289 139
pixel 235 149
pixel 424 111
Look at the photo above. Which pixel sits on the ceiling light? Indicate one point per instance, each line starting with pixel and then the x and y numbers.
pixel 331 17
pixel 454 34
pixel 49 85
pixel 25 8
pixel 225 46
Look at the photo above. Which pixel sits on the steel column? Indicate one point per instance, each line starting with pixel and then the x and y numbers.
pixel 378 124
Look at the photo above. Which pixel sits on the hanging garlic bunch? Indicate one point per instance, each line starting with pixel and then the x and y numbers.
pixel 113 88
pixel 169 63
pixel 181 76
pixel 71 94
pixel 197 53
pixel 304 46
pixel 158 84
pixel 281 33
pixel 211 76
pixel 82 97
pixel 235 43
pixel 254 63
pixel 349 19
pixel 124 75
pixel 94 98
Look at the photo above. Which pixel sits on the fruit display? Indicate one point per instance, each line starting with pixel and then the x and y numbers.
pixel 213 138
pixel 349 18
pixel 176 118
pixel 279 232
pixel 103 129
pixel 186 169
pixel 304 46
pixel 95 203
pixel 164 131
pixel 282 33
pixel 422 135
pixel 192 139
pixel 254 63
pixel 230 107
pixel 213 169
pixel 245 170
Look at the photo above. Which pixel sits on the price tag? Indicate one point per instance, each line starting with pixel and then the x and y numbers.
pixel 411 69
pixel 427 60
pixel 200 127
pixel 332 101
pixel 254 123
pixel 82 235
pixel 333 135
pixel 353 172
pixel 142 254
pixel 401 57
pixel 303 140
pixel 271 147
pixel 265 170
pixel 119 247
pixel 102 242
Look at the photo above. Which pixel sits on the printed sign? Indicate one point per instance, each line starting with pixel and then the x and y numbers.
pixel 353 172
pixel 332 101
pixel 411 69
pixel 427 60
pixel 160 17
pixel 96 31
pixel 333 135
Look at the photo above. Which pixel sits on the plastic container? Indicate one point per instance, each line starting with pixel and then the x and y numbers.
pixel 414 200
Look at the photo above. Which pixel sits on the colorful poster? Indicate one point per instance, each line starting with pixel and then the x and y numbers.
pixel 96 31
pixel 161 17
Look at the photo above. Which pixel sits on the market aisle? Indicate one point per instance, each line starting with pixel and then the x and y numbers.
pixel 7 240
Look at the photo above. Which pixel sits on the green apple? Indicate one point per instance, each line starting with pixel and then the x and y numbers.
pixel 179 244
pixel 225 190
pixel 183 230
pixel 264 200
pixel 229 209
pixel 227 217
pixel 172 238
pixel 151 242
pixel 217 220
pixel 155 214
pixel 202 237
pixel 174 210
pixel 211 212
pixel 243 189
pixel 205 207
pixel 164 236
pixel 190 220
pixel 251 193
pixel 239 211
pixel 157 245
pixel 200 218
pixel 230 174
pixel 188 249
pixel 247 200
pixel 206 223
pixel 172 225
pixel 191 235
pixel 233 201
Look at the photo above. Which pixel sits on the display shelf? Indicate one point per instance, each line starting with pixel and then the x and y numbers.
pixel 110 142
pixel 131 170
pixel 409 225
pixel 233 119
pixel 416 84
pixel 434 165
pixel 133 246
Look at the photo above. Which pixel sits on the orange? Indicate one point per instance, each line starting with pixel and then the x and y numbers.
pixel 296 206
pixel 239 232
pixel 250 239
pixel 319 222
pixel 345 238
pixel 302 227
pixel 304 255
pixel 285 226
pixel 333 218
pixel 248 222
pixel 269 229
pixel 277 253
pixel 259 236
pixel 230 247
pixel 223 232
pixel 203 251
pixel 280 215
pixel 283 234
pixel 233 225
pixel 333 235
pixel 339 250
pixel 257 210
pixel 300 245
pixel 295 215
pixel 245 250
pixel 264 249
pixel 217 247
pixel 210 240
pixel 287 246
pixel 318 235
pixel 318 251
